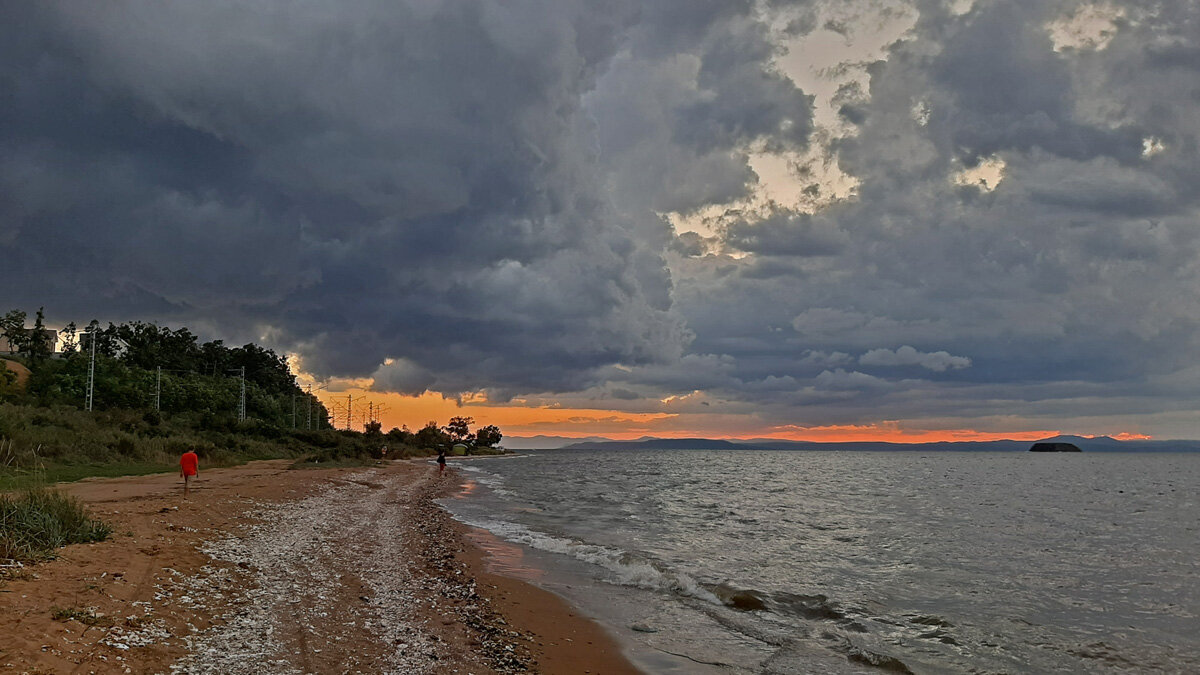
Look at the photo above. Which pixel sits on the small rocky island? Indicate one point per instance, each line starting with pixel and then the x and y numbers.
pixel 1055 447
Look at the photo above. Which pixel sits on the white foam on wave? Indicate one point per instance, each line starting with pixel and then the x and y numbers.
pixel 627 568
pixel 489 480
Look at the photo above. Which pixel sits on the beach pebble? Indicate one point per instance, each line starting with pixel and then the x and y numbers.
pixel 643 628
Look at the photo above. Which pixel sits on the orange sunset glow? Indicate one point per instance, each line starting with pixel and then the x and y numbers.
pixel 415 411
pixel 396 410
pixel 1127 436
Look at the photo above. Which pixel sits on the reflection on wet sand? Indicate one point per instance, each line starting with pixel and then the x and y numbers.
pixel 503 557
pixel 466 489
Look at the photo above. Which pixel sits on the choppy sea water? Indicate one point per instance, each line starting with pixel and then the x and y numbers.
pixel 799 562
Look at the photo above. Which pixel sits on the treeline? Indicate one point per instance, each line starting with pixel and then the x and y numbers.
pixel 142 365
pixel 456 433
pixel 157 391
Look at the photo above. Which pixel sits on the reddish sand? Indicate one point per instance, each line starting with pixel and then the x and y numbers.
pixel 149 597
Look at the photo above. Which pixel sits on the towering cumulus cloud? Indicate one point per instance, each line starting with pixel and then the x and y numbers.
pixel 368 180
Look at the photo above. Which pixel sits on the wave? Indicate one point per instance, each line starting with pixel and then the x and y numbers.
pixel 486 478
pixel 641 571
pixel 632 569
pixel 627 568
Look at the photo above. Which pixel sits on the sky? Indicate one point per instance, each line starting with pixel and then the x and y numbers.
pixel 727 218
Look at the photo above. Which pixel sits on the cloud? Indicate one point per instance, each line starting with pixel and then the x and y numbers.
pixel 939 361
pixel 826 360
pixel 403 377
pixel 1101 185
pixel 786 234
pixel 1070 274
pixel 397 180
pixel 481 196
pixel 828 320
pixel 848 381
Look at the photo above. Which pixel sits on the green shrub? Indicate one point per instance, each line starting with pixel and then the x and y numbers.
pixel 36 521
pixel 125 446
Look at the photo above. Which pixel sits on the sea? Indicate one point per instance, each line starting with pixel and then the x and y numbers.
pixel 746 561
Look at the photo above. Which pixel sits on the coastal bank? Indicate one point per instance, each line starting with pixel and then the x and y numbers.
pixel 271 569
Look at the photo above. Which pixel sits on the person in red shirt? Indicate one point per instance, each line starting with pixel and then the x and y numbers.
pixel 189 468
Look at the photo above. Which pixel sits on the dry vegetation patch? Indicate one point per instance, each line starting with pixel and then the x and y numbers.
pixel 36 521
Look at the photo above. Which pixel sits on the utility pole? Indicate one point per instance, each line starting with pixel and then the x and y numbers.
pixel 92 371
pixel 158 391
pixel 241 407
pixel 349 408
pixel 309 422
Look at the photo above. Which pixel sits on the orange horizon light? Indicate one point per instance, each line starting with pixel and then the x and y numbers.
pixel 577 423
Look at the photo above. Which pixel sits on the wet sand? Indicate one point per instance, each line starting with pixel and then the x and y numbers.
pixel 271 570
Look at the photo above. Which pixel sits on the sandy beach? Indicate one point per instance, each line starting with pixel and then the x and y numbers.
pixel 270 570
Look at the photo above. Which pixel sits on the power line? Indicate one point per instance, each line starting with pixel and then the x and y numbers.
pixel 308 424
pixel 346 412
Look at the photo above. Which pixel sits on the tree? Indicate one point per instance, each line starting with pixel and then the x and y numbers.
pixel 459 428
pixel 430 436
pixel 263 367
pixel 215 357
pixel 39 345
pixel 70 341
pixel 92 332
pixel 151 346
pixel 12 328
pixel 488 436
pixel 108 343
pixel 400 437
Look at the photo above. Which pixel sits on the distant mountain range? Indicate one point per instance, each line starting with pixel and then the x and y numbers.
pixel 1097 444
pixel 546 442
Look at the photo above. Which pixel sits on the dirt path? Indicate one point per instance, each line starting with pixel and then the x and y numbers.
pixel 339 583
pixel 266 570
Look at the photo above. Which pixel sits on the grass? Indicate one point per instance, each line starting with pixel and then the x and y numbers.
pixel 36 521
pixel 43 445
pixel 68 473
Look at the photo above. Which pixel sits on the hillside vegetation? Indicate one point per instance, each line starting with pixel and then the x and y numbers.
pixel 158 392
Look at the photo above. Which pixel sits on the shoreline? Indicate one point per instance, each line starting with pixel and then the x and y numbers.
pixel 266 568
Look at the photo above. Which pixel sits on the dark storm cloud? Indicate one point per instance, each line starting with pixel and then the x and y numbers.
pixel 416 181
pixel 478 195
pixel 1008 89
pixel 786 234
pixel 392 180
pixel 673 126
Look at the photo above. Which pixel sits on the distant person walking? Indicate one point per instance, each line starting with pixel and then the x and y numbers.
pixel 441 461
pixel 189 468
